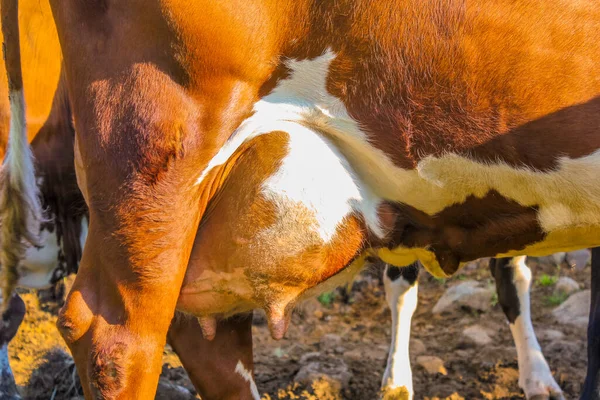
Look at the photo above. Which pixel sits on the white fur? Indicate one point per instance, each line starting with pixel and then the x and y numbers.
pixel 316 176
pixel 312 162
pixel 535 377
pixel 20 161
pixel 37 268
pixel 402 299
pixel 247 375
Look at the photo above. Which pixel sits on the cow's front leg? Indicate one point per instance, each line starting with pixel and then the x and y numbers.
pixel 222 367
pixel 401 290
pixel 117 315
pixel 513 281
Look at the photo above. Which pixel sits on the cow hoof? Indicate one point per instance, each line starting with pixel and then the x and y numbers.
pixel 396 393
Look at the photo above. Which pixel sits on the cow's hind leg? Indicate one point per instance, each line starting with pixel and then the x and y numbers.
pixel 220 368
pixel 513 281
pixel 401 290
pixel 591 388
pixel 11 320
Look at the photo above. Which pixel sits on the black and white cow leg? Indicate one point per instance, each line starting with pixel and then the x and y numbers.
pixel 513 281
pixel 401 289
pixel 11 320
pixel 591 388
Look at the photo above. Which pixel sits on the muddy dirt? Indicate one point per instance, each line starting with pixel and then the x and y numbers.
pixel 44 370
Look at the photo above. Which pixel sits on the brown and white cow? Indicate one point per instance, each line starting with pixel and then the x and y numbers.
pixel 245 154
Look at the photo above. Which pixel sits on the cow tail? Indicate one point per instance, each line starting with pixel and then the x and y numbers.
pixel 20 205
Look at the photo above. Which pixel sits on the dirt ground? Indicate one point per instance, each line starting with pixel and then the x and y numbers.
pixel 45 371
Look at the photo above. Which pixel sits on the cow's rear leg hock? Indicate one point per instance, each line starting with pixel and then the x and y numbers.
pixel 591 388
pixel 513 281
pixel 222 367
pixel 401 290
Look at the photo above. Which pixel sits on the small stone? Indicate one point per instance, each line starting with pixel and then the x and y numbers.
pixel 329 342
pixel 468 294
pixel 564 349
pixel 478 335
pixel 558 258
pixel 340 350
pixel 170 391
pixel 377 354
pixel 333 370
pixel 308 308
pixel 312 356
pixel 318 314
pixel 574 311
pixel 416 347
pixel 354 355
pixel 491 354
pixel 461 353
pixel 432 364
pixel 550 334
pixel 566 285
pixel 579 259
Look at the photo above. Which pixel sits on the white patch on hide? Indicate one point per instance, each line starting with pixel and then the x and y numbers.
pixel 535 377
pixel 247 375
pixel 37 268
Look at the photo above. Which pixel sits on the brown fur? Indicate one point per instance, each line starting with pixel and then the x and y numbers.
pixel 455 237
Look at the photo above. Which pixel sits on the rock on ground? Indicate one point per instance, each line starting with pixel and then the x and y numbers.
pixel 469 294
pixel 579 259
pixel 550 334
pixel 432 364
pixel 478 335
pixel 566 285
pixel 330 342
pixel 170 391
pixel 332 369
pixel 416 347
pixel 574 311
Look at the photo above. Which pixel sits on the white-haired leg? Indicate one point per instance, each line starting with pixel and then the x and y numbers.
pixel 513 281
pixel 401 290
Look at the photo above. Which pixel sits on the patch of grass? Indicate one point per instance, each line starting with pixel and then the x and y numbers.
pixel 326 298
pixel 556 299
pixel 494 299
pixel 547 280
pixel 441 281
pixel 461 277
